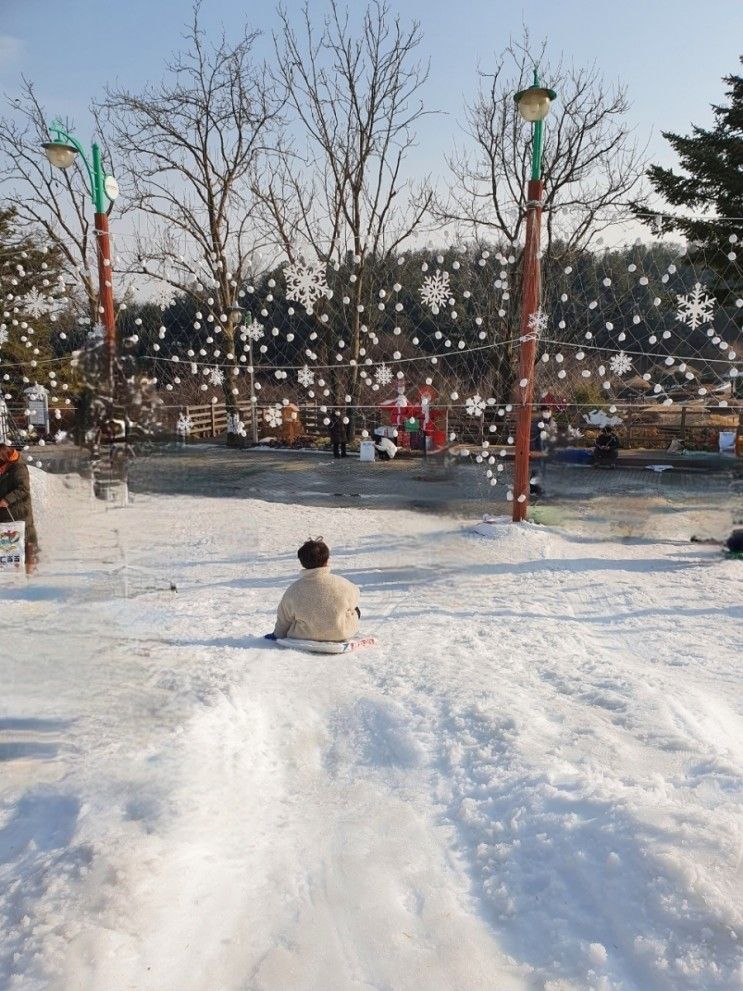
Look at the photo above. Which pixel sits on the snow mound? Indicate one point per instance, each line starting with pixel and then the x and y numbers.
pixel 45 488
pixel 502 529
pixel 54 496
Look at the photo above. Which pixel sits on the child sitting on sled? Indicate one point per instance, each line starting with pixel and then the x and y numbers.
pixel 319 605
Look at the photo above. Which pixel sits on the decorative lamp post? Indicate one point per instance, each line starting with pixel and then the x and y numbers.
pixel 533 105
pixel 62 151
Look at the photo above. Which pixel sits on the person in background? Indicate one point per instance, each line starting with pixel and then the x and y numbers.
pixel 606 448
pixel 338 436
pixel 319 605
pixel 734 545
pixel 386 448
pixel 15 498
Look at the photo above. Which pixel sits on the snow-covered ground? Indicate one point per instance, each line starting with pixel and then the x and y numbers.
pixel 533 783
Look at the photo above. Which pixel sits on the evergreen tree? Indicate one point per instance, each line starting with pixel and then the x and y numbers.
pixel 710 183
pixel 32 296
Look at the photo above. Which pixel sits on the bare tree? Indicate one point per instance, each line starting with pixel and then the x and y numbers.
pixel 591 164
pixel 343 193
pixel 54 201
pixel 192 148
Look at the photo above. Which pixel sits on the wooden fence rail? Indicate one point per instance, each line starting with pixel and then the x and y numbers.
pixel 210 420
pixel 641 428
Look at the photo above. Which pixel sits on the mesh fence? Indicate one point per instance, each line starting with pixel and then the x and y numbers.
pixel 642 334
pixel 645 335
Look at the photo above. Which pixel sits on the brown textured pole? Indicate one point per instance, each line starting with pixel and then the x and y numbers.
pixel 106 294
pixel 531 288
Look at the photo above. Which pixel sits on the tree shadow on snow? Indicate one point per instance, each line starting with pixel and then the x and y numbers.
pixel 46 818
pixel 27 749
pixel 36 744
pixel 582 564
pixel 382 578
pixel 367 578
pixel 30 724
pixel 599 619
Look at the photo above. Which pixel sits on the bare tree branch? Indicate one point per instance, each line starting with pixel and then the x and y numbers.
pixel 355 98
pixel 591 164
pixel 194 149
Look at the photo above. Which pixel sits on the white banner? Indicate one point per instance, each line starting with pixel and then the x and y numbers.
pixel 12 545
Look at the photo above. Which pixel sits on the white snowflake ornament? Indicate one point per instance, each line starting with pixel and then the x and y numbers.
pixel 305 284
pixel 475 405
pixel 164 296
pixel 274 416
pixel 253 331
pixel 537 324
pixel 620 363
pixel 436 291
pixel 36 304
pixel 383 375
pixel 306 377
pixel 695 307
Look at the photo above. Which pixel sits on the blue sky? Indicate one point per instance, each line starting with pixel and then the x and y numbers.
pixel 670 55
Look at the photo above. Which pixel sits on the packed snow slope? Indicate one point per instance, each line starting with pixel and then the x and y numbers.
pixel 533 783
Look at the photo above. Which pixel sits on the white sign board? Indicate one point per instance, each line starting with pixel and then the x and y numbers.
pixel 38 413
pixel 12 545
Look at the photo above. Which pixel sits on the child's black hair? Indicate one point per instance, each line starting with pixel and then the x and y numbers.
pixel 313 553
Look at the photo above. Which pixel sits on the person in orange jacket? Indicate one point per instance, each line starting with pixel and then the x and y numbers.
pixel 15 498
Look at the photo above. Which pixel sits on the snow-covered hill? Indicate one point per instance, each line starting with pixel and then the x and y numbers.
pixel 534 782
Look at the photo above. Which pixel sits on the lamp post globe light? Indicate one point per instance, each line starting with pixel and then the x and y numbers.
pixel 62 152
pixel 533 105
pixel 60 155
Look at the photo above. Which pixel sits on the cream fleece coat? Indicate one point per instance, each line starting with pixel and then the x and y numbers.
pixel 319 606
